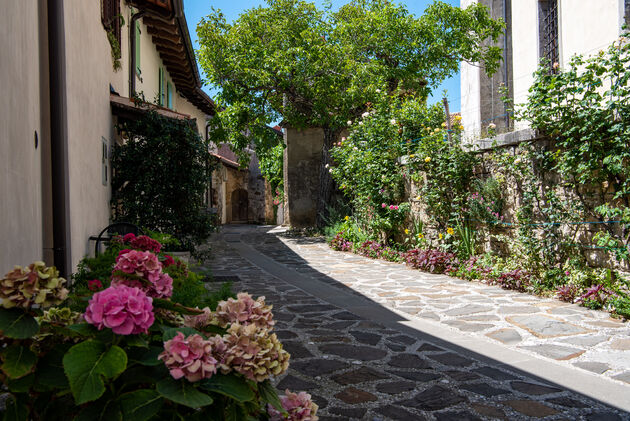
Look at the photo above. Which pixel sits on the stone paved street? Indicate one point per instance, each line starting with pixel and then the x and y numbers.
pixel 361 361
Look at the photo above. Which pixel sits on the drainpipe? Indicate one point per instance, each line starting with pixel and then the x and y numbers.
pixel 507 65
pixel 132 49
pixel 59 138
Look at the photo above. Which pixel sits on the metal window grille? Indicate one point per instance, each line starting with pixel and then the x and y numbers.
pixel 111 17
pixel 549 48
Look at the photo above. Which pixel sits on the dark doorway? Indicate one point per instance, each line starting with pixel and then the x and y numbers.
pixel 240 203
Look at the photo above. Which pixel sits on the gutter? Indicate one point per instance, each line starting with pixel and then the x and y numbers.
pixel 59 139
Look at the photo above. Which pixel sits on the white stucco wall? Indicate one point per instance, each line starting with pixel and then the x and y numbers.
pixel 585 27
pixel 185 107
pixel 150 63
pixel 20 162
pixel 89 70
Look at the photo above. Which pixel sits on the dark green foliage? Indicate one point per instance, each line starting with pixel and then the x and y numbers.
pixel 160 176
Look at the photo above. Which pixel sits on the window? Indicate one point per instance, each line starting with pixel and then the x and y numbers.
pixel 104 161
pixel 169 95
pixel 548 26
pixel 627 11
pixel 138 48
pixel 111 17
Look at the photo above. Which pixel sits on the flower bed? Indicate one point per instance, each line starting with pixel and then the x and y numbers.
pixel 132 352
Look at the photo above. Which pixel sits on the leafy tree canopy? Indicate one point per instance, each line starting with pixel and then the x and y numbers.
pixel 319 68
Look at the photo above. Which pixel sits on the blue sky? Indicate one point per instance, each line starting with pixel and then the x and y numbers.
pixel 196 9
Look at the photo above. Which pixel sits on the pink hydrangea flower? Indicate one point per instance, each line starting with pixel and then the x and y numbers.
pixel 201 320
pixel 245 310
pixel 145 243
pixel 299 406
pixel 140 263
pixel 162 287
pixel 168 260
pixel 189 357
pixel 128 237
pixel 125 310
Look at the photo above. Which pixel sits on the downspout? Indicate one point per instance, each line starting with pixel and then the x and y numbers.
pixel 507 64
pixel 132 49
pixel 59 138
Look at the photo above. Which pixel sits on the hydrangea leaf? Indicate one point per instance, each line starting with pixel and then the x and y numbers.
pixel 229 385
pixel 183 393
pixel 140 405
pixel 87 364
pixel 18 361
pixel 17 324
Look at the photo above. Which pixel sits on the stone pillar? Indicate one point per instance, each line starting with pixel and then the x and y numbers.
pixel 302 160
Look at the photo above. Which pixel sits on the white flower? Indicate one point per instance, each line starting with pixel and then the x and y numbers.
pixel 378 91
pixel 330 170
pixel 393 121
pixel 349 122
pixel 492 126
pixel 360 123
pixel 343 139
pixel 365 114
pixel 327 165
pixel 355 148
pixel 517 161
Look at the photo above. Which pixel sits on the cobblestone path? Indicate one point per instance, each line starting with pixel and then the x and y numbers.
pixel 360 361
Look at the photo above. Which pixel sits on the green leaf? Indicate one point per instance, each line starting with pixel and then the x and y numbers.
pixel 18 361
pixel 171 332
pixel 183 393
pixel 23 384
pixel 150 358
pixel 229 385
pixel 17 324
pixel 140 405
pixel 104 409
pixel 16 409
pixel 269 395
pixel 83 329
pixel 49 371
pixel 87 364
pixel 136 341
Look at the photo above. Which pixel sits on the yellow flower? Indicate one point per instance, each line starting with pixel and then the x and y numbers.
pixel 440 236
pixel 458 118
pixel 437 130
pixel 347 218
pixel 406 231
pixel 461 127
pixel 427 159
pixel 420 236
pixel 443 124
pixel 450 231
pixel 411 156
pixel 418 198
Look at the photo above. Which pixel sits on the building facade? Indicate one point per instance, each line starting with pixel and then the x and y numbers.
pixel 554 30
pixel 72 70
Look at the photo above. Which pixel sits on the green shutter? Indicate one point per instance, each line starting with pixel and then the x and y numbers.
pixel 160 86
pixel 138 47
pixel 169 95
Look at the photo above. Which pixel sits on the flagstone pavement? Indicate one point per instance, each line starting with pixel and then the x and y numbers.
pixel 375 340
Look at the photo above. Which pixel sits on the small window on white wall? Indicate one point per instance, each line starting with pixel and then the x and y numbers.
pixel 105 160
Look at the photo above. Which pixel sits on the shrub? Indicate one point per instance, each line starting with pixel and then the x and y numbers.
pixel 567 293
pixel 517 279
pixel 431 260
pixel 130 356
pixel 596 297
pixel 339 243
pixel 160 176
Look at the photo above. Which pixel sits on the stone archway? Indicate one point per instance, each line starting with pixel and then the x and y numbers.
pixel 240 205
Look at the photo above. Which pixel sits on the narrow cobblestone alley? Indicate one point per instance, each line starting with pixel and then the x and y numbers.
pixel 375 340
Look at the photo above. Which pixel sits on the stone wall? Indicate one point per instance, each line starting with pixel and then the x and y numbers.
pixel 580 234
pixel 302 162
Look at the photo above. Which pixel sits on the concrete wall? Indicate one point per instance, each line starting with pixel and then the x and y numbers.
pixel 23 77
pixel 89 70
pixel 302 161
pixel 585 28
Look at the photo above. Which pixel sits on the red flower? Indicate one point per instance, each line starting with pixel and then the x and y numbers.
pixel 168 260
pixel 129 237
pixel 95 285
pixel 145 243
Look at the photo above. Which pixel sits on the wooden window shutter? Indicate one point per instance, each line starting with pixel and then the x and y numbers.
pixel 138 47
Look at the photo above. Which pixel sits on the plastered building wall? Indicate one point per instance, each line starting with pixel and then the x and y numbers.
pixel 21 116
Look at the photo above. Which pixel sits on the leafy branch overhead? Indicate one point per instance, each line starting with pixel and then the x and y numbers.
pixel 318 68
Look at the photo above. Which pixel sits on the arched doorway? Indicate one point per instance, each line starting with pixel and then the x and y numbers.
pixel 240 203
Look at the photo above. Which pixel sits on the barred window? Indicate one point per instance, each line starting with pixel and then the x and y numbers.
pixel 548 26
pixel 111 18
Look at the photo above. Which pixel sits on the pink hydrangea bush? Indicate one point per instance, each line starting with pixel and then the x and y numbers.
pixel 142 269
pixel 199 321
pixel 125 310
pixel 189 357
pixel 245 311
pixel 142 242
pixel 299 407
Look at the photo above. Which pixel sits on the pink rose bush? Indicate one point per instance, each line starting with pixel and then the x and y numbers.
pixel 189 357
pixel 125 310
pixel 142 269
pixel 299 407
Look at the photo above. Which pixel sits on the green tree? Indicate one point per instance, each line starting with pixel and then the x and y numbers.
pixel 319 68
